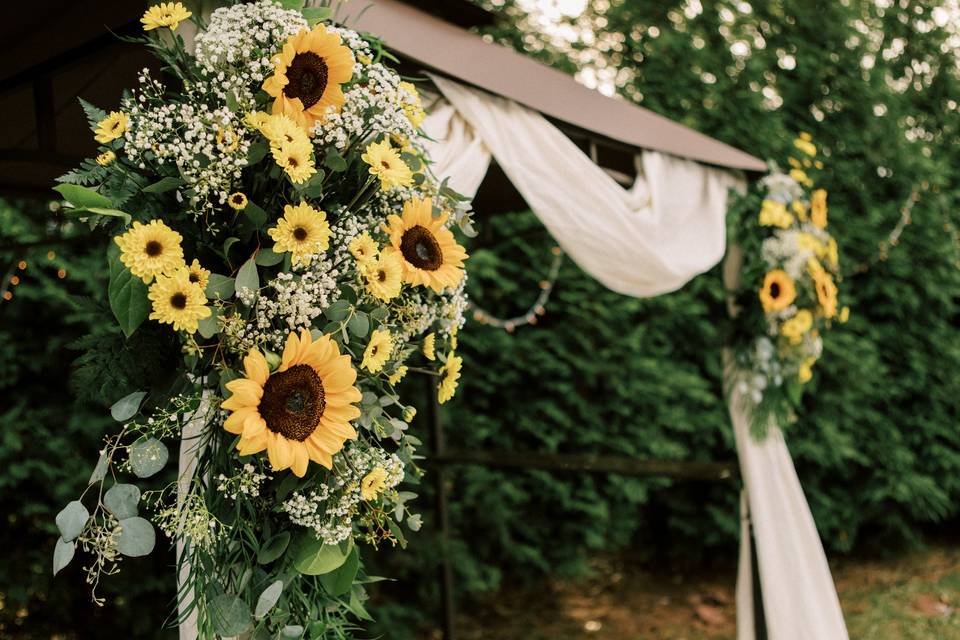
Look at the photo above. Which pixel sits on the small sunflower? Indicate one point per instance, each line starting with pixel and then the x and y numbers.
pixel 384 277
pixel 778 291
pixel 296 159
pixel 826 294
pixel 818 208
pixel 150 249
pixel 429 347
pixel 795 328
pixel 237 201
pixel 106 158
pixel 165 14
pixel 303 231
pixel 397 375
pixel 307 75
pixel 373 483
pixel 198 274
pixel 431 255
pixel 364 249
pixel 178 301
pixel 377 351
pixel 300 412
pixel 385 164
pixel 111 127
pixel 450 375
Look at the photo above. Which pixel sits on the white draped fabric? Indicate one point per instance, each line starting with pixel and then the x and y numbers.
pixel 648 240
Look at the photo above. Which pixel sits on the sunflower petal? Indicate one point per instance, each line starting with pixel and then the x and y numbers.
pixel 300 459
pixel 255 364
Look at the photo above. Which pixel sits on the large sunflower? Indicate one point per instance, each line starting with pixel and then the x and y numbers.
pixel 307 75
pixel 429 253
pixel 778 291
pixel 150 249
pixel 301 411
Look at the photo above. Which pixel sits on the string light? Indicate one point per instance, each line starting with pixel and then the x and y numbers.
pixel 538 308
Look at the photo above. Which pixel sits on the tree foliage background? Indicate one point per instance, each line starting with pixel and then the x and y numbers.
pixel 877 447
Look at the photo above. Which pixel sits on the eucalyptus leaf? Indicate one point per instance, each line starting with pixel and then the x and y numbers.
pixel 247 277
pixel 229 242
pixel 256 153
pixel 82 197
pixel 147 457
pixel 230 615
pixel 314 558
pixel 62 554
pixel 359 324
pixel 219 286
pixel 163 185
pixel 100 470
pixel 72 519
pixel 315 15
pixel 122 500
pixel 338 582
pixel 338 311
pixel 268 599
pixel 292 631
pixel 255 214
pixel 273 548
pixel 127 406
pixel 268 257
pixel 128 296
pixel 334 161
pixel 208 326
pixel 137 537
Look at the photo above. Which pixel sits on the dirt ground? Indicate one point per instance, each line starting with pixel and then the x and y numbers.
pixel 912 597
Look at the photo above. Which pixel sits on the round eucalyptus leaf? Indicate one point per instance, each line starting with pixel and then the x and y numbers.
pixel 127 406
pixel 268 599
pixel 273 548
pixel 292 631
pixel 62 554
pixel 121 500
pixel 314 558
pixel 137 537
pixel 72 520
pixel 147 457
pixel 230 615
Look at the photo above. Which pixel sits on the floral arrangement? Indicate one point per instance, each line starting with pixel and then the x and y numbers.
pixel 277 230
pixel 788 294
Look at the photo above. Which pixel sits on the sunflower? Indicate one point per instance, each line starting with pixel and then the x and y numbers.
pixel 303 231
pixel 794 328
pixel 397 375
pixel 364 249
pixel 450 374
pixel 373 483
pixel 826 294
pixel 384 277
pixel 431 255
pixel 429 347
pixel 778 291
pixel 150 249
pixel 296 159
pixel 165 14
pixel 301 411
pixel 307 75
pixel 198 274
pixel 106 158
pixel 237 201
pixel 111 127
pixel 818 208
pixel 178 301
pixel 377 351
pixel 385 164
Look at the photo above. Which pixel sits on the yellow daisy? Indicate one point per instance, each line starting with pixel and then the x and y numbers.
pixel 296 159
pixel 778 291
pixel 300 412
pixel 165 14
pixel 364 249
pixel 150 249
pixel 384 277
pixel 106 158
pixel 429 347
pixel 373 483
pixel 833 254
pixel 412 105
pixel 307 75
pixel 774 214
pixel 826 294
pixel 256 119
pixel 450 374
pixel 818 208
pixel 397 375
pixel 111 127
pixel 795 328
pixel 385 164
pixel 806 370
pixel 280 129
pixel 377 351
pixel 844 315
pixel 237 201
pixel 178 301
pixel 799 210
pixel 303 231
pixel 430 255
pixel 805 146
pixel 198 274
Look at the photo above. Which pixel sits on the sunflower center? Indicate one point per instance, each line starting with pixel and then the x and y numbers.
pixel 178 301
pixel 307 76
pixel 421 249
pixel 153 248
pixel 293 402
pixel 300 234
pixel 774 290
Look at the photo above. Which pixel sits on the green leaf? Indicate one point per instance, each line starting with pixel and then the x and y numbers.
pixel 62 554
pixel 100 469
pixel 147 457
pixel 268 257
pixel 230 614
pixel 268 599
pixel 232 103
pixel 315 15
pixel 121 500
pixel 247 277
pixel 113 213
pixel 338 311
pixel 229 242
pixel 295 5
pixel 137 537
pixel 94 114
pixel 339 582
pixel 208 326
pixel 411 160
pixel 256 215
pixel 72 519
pixel 256 153
pixel 334 161
pixel 127 406
pixel 293 631
pixel 163 185
pixel 273 548
pixel 359 324
pixel 219 287
pixel 82 197
pixel 314 558
pixel 128 296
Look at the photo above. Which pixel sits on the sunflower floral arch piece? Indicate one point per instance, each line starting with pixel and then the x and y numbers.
pixel 278 228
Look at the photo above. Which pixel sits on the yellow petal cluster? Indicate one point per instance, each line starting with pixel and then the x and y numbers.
pixel 775 214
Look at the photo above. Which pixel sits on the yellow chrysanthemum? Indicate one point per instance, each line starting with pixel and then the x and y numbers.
pixel 833 254
pixel 430 255
pixel 805 146
pixel 774 214
pixel 373 483
pixel 106 158
pixel 409 414
pixel 450 375
pixel 778 291
pixel 300 412
pixel 799 209
pixel 256 119
pixel 296 159
pixel 844 315
pixel 303 231
pixel 818 208
pixel 111 127
pixel 806 370
pixel 453 337
pixel 198 274
pixel 237 201
pixel 796 327
pixel 397 375
pixel 165 14
pixel 150 249
pixel 280 129
pixel 801 176
pixel 377 351
pixel 385 164
pixel 429 347
pixel 384 277
pixel 307 75
pixel 412 105
pixel 826 294
pixel 364 249
pixel 178 301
